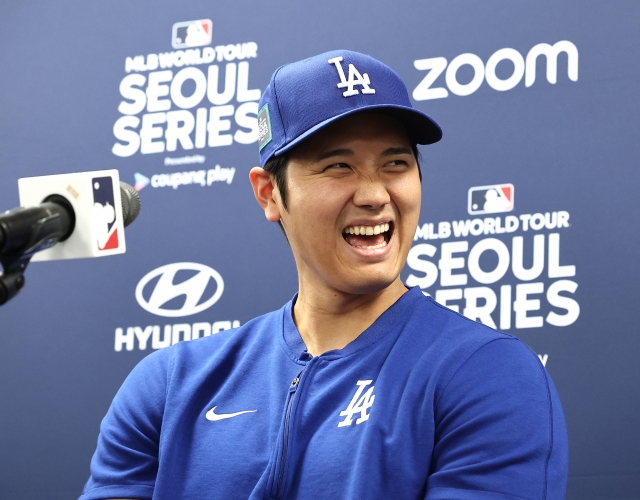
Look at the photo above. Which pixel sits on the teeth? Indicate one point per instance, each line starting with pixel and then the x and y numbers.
pixel 367 230
pixel 381 245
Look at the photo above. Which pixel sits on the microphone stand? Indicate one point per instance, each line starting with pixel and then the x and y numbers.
pixel 12 280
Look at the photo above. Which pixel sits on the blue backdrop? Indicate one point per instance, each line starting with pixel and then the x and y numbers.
pixel 538 102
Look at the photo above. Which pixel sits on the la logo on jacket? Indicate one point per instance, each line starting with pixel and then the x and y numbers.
pixel 360 403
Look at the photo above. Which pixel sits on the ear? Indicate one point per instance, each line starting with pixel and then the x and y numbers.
pixel 266 193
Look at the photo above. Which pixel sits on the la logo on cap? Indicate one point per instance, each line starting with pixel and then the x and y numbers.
pixel 355 78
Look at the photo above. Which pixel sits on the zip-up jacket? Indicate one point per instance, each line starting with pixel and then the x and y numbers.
pixel 425 403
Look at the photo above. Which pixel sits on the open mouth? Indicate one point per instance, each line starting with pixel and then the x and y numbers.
pixel 368 237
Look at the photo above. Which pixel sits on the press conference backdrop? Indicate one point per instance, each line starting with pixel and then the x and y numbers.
pixel 529 218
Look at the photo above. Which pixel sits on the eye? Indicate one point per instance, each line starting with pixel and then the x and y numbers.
pixel 396 164
pixel 337 166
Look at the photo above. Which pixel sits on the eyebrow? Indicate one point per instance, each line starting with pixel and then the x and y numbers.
pixel 335 152
pixel 349 152
pixel 396 151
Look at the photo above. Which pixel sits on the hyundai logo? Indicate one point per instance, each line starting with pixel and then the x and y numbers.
pixel 189 294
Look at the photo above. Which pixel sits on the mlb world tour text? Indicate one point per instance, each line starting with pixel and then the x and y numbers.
pixel 175 81
pixel 450 265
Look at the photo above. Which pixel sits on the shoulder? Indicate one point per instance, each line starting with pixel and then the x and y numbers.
pixel 449 335
pixel 152 376
pixel 257 330
pixel 443 320
pixel 455 347
pixel 170 368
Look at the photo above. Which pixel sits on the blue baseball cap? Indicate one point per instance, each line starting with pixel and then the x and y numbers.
pixel 305 96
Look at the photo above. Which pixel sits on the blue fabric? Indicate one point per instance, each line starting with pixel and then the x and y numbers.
pixel 460 411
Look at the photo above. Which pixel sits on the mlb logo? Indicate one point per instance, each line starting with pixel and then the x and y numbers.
pixel 104 213
pixel 191 34
pixel 490 199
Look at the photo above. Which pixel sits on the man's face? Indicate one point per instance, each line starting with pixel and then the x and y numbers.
pixel 353 199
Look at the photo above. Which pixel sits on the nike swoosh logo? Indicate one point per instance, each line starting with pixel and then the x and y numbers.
pixel 213 416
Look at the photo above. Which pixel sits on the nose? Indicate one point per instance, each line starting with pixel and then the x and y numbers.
pixel 371 194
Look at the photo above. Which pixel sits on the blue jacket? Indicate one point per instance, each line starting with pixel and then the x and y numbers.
pixel 424 404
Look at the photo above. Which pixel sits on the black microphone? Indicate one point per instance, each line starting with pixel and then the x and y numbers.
pixel 30 230
pixel 25 231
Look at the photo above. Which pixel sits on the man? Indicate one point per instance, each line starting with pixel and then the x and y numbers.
pixel 359 388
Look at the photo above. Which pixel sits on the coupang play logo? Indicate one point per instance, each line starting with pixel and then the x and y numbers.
pixel 505 271
pixel 195 97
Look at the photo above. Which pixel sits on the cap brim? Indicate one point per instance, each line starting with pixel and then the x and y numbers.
pixel 420 127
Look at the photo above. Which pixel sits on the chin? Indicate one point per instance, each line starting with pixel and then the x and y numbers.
pixel 364 285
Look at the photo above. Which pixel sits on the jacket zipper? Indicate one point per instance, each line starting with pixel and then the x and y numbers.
pixel 285 435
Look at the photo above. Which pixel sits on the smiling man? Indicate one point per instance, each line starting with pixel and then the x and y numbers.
pixel 358 388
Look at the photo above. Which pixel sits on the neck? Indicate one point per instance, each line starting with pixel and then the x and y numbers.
pixel 330 319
